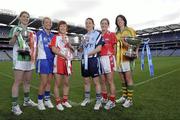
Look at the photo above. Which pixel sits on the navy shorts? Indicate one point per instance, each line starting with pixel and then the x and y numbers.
pixel 94 67
pixel 44 66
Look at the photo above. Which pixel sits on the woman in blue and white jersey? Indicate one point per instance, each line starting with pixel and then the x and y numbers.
pixel 90 64
pixel 44 64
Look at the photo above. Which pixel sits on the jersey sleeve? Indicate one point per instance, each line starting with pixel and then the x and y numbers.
pixel 37 36
pixel 53 42
pixel 133 32
pixel 114 39
pixel 100 40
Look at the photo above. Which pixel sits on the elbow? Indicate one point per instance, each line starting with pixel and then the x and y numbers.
pixel 53 49
pixel 99 48
pixel 11 43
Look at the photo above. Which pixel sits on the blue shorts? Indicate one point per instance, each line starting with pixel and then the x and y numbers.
pixel 44 66
pixel 94 67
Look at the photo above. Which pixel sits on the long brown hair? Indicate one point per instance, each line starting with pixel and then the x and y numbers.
pixel 116 22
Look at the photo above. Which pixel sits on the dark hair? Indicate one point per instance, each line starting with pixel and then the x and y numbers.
pixel 105 20
pixel 24 12
pixel 124 19
pixel 62 22
pixel 90 20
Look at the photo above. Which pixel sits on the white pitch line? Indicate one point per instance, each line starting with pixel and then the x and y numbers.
pixel 137 84
pixel 146 81
pixel 9 76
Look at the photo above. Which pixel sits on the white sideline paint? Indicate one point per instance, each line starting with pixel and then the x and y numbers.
pixel 9 76
pixel 137 84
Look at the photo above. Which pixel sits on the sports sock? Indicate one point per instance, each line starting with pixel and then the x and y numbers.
pixel 98 96
pixel 104 95
pixel 124 90
pixel 14 101
pixel 65 98
pixel 58 100
pixel 130 92
pixel 47 95
pixel 112 98
pixel 26 96
pixel 87 94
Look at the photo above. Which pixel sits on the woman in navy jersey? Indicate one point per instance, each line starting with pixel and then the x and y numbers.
pixel 90 64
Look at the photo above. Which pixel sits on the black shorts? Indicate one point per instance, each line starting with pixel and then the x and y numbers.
pixel 94 67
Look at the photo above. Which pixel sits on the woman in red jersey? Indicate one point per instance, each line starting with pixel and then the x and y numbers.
pixel 62 64
pixel 108 64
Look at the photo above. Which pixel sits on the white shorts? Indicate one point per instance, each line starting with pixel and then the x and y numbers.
pixel 108 64
pixel 124 67
pixel 23 65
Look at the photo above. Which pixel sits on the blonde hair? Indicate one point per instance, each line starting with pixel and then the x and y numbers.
pixel 46 18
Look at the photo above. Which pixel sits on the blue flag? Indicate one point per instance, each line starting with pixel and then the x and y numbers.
pixel 149 56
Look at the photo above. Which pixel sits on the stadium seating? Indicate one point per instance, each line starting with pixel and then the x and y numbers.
pixel 164 40
pixel 4 56
pixel 176 53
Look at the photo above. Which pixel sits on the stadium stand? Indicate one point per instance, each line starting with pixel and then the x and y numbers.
pixel 8 19
pixel 5 56
pixel 164 40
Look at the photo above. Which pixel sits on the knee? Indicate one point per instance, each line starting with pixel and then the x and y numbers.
pixel 86 83
pixel 16 84
pixel 66 84
pixel 48 83
pixel 56 84
pixel 96 83
pixel 27 82
pixel 128 78
pixel 103 82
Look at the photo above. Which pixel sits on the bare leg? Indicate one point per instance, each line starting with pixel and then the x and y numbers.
pixel 98 88
pixel 87 87
pixel 110 80
pixel 27 80
pixel 18 75
pixel 48 85
pixel 43 83
pixel 66 85
pixel 128 77
pixel 103 83
pixel 57 84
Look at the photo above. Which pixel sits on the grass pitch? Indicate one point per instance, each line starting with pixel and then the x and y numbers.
pixel 155 98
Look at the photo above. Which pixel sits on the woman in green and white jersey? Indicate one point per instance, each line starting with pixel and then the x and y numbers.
pixel 24 47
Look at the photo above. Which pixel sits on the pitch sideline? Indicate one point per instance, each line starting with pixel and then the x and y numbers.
pixel 137 84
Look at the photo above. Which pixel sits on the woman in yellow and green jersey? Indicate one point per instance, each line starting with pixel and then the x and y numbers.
pixel 123 62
